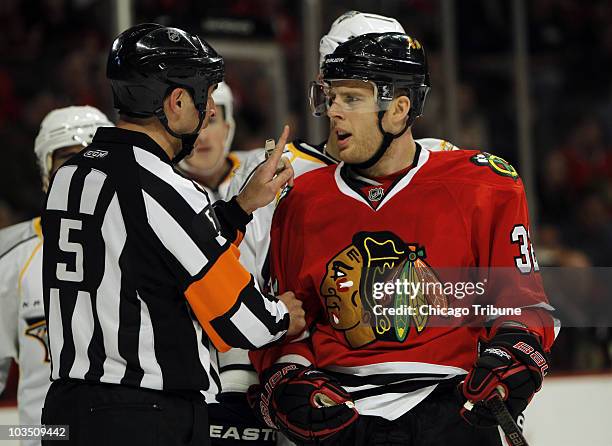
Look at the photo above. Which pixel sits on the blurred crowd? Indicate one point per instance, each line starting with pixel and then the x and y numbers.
pixel 52 54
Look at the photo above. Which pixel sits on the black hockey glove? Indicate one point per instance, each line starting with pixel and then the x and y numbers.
pixel 305 404
pixel 514 362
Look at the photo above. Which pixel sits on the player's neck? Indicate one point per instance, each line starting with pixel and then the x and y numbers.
pixel 209 179
pixel 156 131
pixel 399 156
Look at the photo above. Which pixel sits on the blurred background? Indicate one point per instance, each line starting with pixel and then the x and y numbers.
pixel 526 80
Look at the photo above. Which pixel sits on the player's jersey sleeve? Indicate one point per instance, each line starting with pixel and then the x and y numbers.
pixel 502 243
pixel 248 164
pixel 286 254
pixel 11 240
pixel 256 242
pixel 5 366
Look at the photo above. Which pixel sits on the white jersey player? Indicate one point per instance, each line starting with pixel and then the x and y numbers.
pixel 23 330
pixel 211 163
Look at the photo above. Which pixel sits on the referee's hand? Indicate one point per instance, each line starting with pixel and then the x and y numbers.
pixel 265 183
pixel 297 320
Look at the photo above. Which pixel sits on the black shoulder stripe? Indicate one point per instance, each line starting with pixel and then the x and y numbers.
pixel 314 152
pixel 16 245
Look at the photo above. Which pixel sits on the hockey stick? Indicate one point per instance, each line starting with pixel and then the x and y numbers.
pixel 498 408
pixel 513 433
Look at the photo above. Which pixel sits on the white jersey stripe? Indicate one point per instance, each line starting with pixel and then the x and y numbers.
pixel 246 322
pixel 91 190
pixel 174 237
pixel 345 189
pixel 56 342
pixel 58 195
pixel 164 172
pixel 152 377
pixel 399 367
pixel 392 405
pixel 82 332
pixel 277 309
pixel 204 355
pixel 109 292
pixel 405 181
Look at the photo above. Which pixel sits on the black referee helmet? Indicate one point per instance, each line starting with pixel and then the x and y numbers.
pixel 147 61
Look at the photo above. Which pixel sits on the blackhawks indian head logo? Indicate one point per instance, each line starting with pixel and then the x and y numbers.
pixel 352 287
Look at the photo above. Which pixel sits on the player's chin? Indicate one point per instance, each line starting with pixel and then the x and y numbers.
pixel 349 154
pixel 351 157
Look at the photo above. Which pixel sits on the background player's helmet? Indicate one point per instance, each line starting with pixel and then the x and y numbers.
pixel 66 127
pixel 147 61
pixel 392 61
pixel 352 24
pixel 223 96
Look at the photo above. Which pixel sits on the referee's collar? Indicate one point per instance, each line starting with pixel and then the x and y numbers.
pixel 139 139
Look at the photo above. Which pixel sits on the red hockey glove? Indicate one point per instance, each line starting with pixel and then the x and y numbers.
pixel 513 360
pixel 307 405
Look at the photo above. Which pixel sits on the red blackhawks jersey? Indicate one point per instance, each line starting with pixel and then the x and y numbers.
pixel 338 240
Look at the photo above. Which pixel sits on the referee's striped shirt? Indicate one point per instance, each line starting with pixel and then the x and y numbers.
pixel 135 262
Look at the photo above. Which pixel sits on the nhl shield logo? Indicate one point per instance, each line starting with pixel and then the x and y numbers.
pixel 173 35
pixel 376 194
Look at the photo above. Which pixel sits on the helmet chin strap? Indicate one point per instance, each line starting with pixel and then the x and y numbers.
pixel 384 145
pixel 187 139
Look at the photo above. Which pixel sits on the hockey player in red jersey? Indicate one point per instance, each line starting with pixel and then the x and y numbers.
pixel 364 372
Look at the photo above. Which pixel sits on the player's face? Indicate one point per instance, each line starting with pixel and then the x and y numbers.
pixel 354 134
pixel 340 288
pixel 209 148
pixel 211 108
pixel 60 156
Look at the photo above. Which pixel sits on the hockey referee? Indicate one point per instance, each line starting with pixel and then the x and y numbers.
pixel 141 277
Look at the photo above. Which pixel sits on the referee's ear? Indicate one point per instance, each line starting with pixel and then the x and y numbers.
pixel 175 104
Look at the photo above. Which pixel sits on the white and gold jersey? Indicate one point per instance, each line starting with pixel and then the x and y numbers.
pixel 23 330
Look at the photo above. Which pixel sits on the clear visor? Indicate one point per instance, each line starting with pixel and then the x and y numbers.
pixel 348 95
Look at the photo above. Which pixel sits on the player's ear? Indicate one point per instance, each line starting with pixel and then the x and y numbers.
pixel 398 113
pixel 402 107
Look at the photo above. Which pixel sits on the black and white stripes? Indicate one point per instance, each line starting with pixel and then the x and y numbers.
pixel 135 266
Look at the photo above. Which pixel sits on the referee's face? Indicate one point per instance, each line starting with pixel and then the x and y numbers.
pixel 184 116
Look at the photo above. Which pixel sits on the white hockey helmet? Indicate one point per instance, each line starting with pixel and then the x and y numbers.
pixel 352 24
pixel 223 96
pixel 65 127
